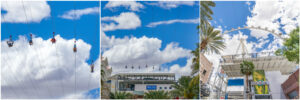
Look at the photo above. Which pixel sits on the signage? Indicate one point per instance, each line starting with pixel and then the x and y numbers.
pixel 259 78
pixel 151 87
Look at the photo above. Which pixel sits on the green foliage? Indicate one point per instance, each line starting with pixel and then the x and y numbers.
pixel 102 77
pixel 205 11
pixel 121 95
pixel 186 87
pixel 157 95
pixel 211 40
pixel 291 47
pixel 195 66
pixel 247 67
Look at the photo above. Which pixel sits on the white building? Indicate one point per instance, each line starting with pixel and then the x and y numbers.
pixel 139 83
pixel 276 69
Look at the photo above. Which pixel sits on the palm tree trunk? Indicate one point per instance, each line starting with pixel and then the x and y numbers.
pixel 247 86
pixel 202 45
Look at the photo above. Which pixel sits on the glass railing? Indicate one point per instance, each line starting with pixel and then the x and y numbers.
pixel 230 58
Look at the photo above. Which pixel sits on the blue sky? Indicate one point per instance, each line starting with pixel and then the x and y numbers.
pixel 185 34
pixel 230 15
pixel 87 27
pixel 44 18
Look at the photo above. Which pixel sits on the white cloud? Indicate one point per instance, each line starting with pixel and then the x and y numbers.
pixel 182 70
pixel 274 15
pixel 172 4
pixel 231 43
pixel 15 11
pixel 126 20
pixel 40 70
pixel 76 14
pixel 154 24
pixel 131 5
pixel 143 51
pixel 261 42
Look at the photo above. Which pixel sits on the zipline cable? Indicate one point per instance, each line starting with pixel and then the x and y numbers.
pixel 28 30
pixel 75 52
pixel 92 60
pixel 57 57
pixel 9 63
pixel 11 77
pixel 28 71
pixel 9 88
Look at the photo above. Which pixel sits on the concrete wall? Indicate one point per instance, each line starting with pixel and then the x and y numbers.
pixel 291 84
pixel 142 87
pixel 275 79
pixel 207 66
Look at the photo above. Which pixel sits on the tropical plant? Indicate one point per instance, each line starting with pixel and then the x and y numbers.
pixel 195 66
pixel 247 69
pixel 157 95
pixel 291 47
pixel 193 88
pixel 206 12
pixel 102 77
pixel 185 88
pixel 211 40
pixel 121 95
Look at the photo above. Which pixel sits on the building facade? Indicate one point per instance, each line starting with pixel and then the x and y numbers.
pixel 205 69
pixel 139 83
pixel 291 86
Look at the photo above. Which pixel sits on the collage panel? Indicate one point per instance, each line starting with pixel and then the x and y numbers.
pixel 249 49
pixel 149 50
pixel 50 49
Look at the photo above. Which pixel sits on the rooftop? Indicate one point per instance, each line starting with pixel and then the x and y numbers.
pixel 267 61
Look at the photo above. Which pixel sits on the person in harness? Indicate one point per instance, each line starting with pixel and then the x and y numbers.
pixel 53 40
pixel 10 42
pixel 30 41
pixel 74 48
pixel 92 67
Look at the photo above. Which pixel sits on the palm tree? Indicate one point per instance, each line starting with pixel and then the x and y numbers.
pixel 121 95
pixel 102 77
pixel 247 68
pixel 211 40
pixel 206 12
pixel 157 95
pixel 185 88
pixel 196 59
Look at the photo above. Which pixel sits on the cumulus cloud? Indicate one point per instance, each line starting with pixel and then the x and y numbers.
pixel 143 51
pixel 126 20
pixel 45 70
pixel 154 24
pixel 76 14
pixel 131 5
pixel 274 15
pixel 172 4
pixel 16 11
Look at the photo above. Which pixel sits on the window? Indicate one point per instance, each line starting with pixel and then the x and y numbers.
pixel 293 95
pixel 160 88
pixel 170 87
pixel 165 87
pixel 204 72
